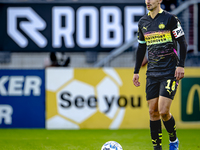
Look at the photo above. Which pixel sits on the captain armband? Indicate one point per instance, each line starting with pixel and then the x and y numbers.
pixel 178 32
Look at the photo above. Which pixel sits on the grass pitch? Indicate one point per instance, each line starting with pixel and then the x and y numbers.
pixel 42 139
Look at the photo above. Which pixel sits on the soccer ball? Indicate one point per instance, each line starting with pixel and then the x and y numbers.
pixel 111 145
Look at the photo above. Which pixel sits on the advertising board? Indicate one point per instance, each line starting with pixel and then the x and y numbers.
pixel 36 27
pixel 22 99
pixel 106 98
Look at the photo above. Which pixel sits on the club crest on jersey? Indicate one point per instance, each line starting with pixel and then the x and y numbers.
pixel 161 26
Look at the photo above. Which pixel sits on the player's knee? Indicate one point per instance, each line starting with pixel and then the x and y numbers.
pixel 164 114
pixel 153 113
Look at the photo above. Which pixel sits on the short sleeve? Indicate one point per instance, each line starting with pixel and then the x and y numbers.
pixel 176 27
pixel 141 39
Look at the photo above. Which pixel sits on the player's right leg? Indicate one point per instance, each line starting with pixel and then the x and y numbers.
pixel 152 91
pixel 155 124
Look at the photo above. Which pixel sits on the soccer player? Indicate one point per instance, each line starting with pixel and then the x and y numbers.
pixel 159 31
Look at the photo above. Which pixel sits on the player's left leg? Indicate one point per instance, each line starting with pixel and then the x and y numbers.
pixel 168 121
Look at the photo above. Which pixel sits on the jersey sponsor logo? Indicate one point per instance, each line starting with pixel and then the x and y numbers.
pixel 161 26
pixel 178 32
pixel 158 37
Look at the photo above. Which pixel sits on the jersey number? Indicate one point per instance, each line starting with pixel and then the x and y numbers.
pixel 168 85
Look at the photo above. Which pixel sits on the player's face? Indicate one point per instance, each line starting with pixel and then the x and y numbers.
pixel 152 4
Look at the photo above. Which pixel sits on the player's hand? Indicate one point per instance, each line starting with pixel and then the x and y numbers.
pixel 179 73
pixel 136 80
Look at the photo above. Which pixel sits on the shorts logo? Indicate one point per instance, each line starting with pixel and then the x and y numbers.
pixel 178 32
pixel 169 92
pixel 161 26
